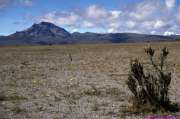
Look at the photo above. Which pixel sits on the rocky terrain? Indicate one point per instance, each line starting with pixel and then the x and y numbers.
pixel 73 81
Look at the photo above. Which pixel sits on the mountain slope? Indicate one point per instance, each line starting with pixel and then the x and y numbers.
pixel 48 33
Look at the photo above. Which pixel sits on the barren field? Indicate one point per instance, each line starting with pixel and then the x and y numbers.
pixel 43 82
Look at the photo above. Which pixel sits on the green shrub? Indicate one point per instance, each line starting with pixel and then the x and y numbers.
pixel 150 87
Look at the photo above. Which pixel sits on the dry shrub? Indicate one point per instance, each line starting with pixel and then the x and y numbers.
pixel 150 87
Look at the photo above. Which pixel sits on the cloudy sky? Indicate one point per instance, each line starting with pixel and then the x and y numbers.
pixel 136 16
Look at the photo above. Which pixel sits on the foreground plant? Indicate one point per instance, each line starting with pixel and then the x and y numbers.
pixel 150 87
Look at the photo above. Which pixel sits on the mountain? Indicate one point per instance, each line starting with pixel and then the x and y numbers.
pixel 42 33
pixel 47 33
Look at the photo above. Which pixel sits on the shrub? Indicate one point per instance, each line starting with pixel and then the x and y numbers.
pixel 150 87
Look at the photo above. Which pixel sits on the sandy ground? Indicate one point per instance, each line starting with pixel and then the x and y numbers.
pixel 41 82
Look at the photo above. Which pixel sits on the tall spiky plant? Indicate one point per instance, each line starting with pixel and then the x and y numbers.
pixel 150 89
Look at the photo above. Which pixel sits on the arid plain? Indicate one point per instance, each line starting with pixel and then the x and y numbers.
pixel 74 81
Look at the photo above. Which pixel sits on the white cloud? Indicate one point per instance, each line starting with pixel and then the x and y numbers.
pixel 170 3
pixel 150 17
pixel 143 10
pixel 115 14
pixel 95 12
pixel 88 24
pixel 131 24
pixel 74 30
pixel 112 30
pixel 62 18
pixel 94 16
pixel 168 33
pixel 67 20
pixel 158 24
pixel 147 24
pixel 114 25
pixel 153 32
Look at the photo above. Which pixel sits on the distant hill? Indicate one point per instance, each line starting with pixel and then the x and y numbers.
pixel 46 33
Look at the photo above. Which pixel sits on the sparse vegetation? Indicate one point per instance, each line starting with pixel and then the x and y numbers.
pixel 150 87
pixel 38 82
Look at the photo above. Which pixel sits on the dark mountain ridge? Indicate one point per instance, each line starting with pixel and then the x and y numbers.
pixel 47 33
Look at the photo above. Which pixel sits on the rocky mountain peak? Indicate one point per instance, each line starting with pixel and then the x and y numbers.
pixel 47 29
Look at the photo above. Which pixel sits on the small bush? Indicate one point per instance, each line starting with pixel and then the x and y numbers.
pixel 150 87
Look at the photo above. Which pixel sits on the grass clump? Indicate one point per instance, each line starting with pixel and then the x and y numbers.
pixel 150 87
